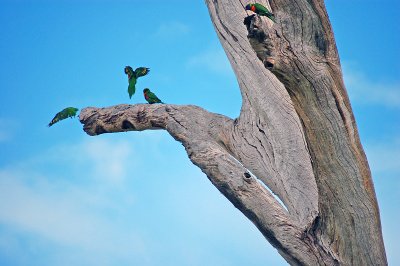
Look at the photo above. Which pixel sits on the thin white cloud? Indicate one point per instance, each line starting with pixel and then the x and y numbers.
pixel 171 30
pixel 75 207
pixel 63 215
pixel 212 59
pixel 96 158
pixel 110 160
pixel 364 90
pixel 7 128
pixel 40 211
pixel 59 203
pixel 384 157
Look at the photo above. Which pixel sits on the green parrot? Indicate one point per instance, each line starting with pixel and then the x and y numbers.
pixel 261 10
pixel 150 97
pixel 133 76
pixel 67 112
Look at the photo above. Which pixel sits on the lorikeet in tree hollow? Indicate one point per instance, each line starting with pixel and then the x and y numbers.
pixel 261 10
pixel 150 97
pixel 67 112
pixel 133 76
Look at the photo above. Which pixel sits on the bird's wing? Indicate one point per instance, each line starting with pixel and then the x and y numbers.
pixel 153 97
pixel 129 70
pixel 141 71
pixel 65 113
pixel 56 118
pixel 131 87
pixel 261 8
pixel 71 111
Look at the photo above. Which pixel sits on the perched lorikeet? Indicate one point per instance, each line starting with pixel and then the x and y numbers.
pixel 133 76
pixel 260 10
pixel 67 112
pixel 150 97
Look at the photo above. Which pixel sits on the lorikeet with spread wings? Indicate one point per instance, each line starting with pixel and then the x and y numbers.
pixel 67 112
pixel 261 10
pixel 133 76
pixel 150 97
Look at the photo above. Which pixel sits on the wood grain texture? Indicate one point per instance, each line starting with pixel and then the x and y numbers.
pixel 296 134
pixel 203 135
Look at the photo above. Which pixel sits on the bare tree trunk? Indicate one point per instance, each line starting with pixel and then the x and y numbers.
pixel 296 134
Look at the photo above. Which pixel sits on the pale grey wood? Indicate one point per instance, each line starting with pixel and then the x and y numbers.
pixel 268 137
pixel 203 134
pixel 296 133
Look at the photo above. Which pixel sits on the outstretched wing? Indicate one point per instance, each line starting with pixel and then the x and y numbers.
pixel 141 71
pixel 131 87
pixel 65 113
pixel 129 71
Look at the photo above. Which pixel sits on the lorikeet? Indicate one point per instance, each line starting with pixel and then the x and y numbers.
pixel 67 112
pixel 133 76
pixel 150 97
pixel 260 10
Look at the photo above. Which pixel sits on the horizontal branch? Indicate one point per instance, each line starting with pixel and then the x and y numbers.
pixel 121 118
pixel 203 135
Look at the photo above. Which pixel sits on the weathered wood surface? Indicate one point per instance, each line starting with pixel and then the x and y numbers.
pixel 204 136
pixel 296 133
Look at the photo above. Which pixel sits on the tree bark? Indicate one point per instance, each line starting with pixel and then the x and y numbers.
pixel 296 135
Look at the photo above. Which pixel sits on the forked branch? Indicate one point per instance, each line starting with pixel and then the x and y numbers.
pixel 202 134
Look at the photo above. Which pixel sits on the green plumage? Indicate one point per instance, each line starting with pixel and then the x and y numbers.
pixel 65 113
pixel 261 10
pixel 141 71
pixel 150 97
pixel 133 76
pixel 131 86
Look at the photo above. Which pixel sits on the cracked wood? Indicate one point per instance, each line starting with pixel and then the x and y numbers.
pixel 296 133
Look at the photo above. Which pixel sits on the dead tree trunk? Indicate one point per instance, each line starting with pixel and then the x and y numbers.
pixel 296 134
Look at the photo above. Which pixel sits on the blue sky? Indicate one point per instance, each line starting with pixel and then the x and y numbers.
pixel 135 198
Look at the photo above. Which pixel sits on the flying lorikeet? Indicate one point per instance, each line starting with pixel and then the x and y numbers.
pixel 133 76
pixel 261 10
pixel 67 112
pixel 150 97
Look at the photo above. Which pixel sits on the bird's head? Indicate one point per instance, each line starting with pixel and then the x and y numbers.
pixel 146 90
pixel 248 6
